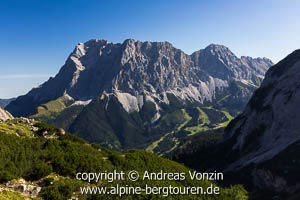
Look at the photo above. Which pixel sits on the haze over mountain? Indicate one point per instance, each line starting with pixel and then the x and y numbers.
pixel 5 102
pixel 122 95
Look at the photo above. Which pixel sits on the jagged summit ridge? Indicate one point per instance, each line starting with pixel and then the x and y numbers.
pixel 133 69
pixel 126 92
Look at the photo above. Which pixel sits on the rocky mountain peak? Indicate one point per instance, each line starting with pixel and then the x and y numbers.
pixel 260 65
pixel 217 49
pixel 220 62
pixel 134 68
pixel 131 86
pixel 130 41
pixel 258 59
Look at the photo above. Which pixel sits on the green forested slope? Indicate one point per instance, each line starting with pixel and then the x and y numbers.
pixel 52 163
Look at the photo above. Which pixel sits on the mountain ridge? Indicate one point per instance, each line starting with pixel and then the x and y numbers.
pixel 259 148
pixel 5 102
pixel 275 93
pixel 79 52
pixel 144 81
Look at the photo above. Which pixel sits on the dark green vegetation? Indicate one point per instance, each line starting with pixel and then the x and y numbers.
pixel 58 112
pixel 260 147
pixel 142 95
pixel 205 151
pixel 111 126
pixel 53 163
pixel 183 123
pixel 104 121
pixel 274 178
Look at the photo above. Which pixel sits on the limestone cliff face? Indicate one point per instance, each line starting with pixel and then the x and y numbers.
pixel 116 94
pixel 135 71
pixel 270 122
pixel 4 115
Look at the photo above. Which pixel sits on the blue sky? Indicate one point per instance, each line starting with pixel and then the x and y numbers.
pixel 37 36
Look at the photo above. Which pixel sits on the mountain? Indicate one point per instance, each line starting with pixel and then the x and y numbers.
pixel 271 116
pixel 5 102
pixel 143 94
pixel 39 161
pixel 261 147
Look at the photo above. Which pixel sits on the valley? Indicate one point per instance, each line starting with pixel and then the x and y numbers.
pixel 260 147
pixel 149 100
pixel 190 123
pixel 217 126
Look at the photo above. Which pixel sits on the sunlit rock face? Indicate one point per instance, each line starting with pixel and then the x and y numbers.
pixel 117 93
pixel 4 115
pixel 136 69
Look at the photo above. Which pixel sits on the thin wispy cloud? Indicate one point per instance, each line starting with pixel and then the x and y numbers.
pixel 23 76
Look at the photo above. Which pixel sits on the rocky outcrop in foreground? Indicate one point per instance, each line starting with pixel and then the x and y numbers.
pixel 5 115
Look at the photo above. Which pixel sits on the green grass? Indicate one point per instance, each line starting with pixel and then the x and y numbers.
pixel 222 99
pixel 229 118
pixel 201 127
pixel 49 111
pixel 174 120
pixel 177 142
pixel 180 120
pixel 12 195
pixel 35 158
pixel 154 144
pixel 12 127
pixel 186 119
